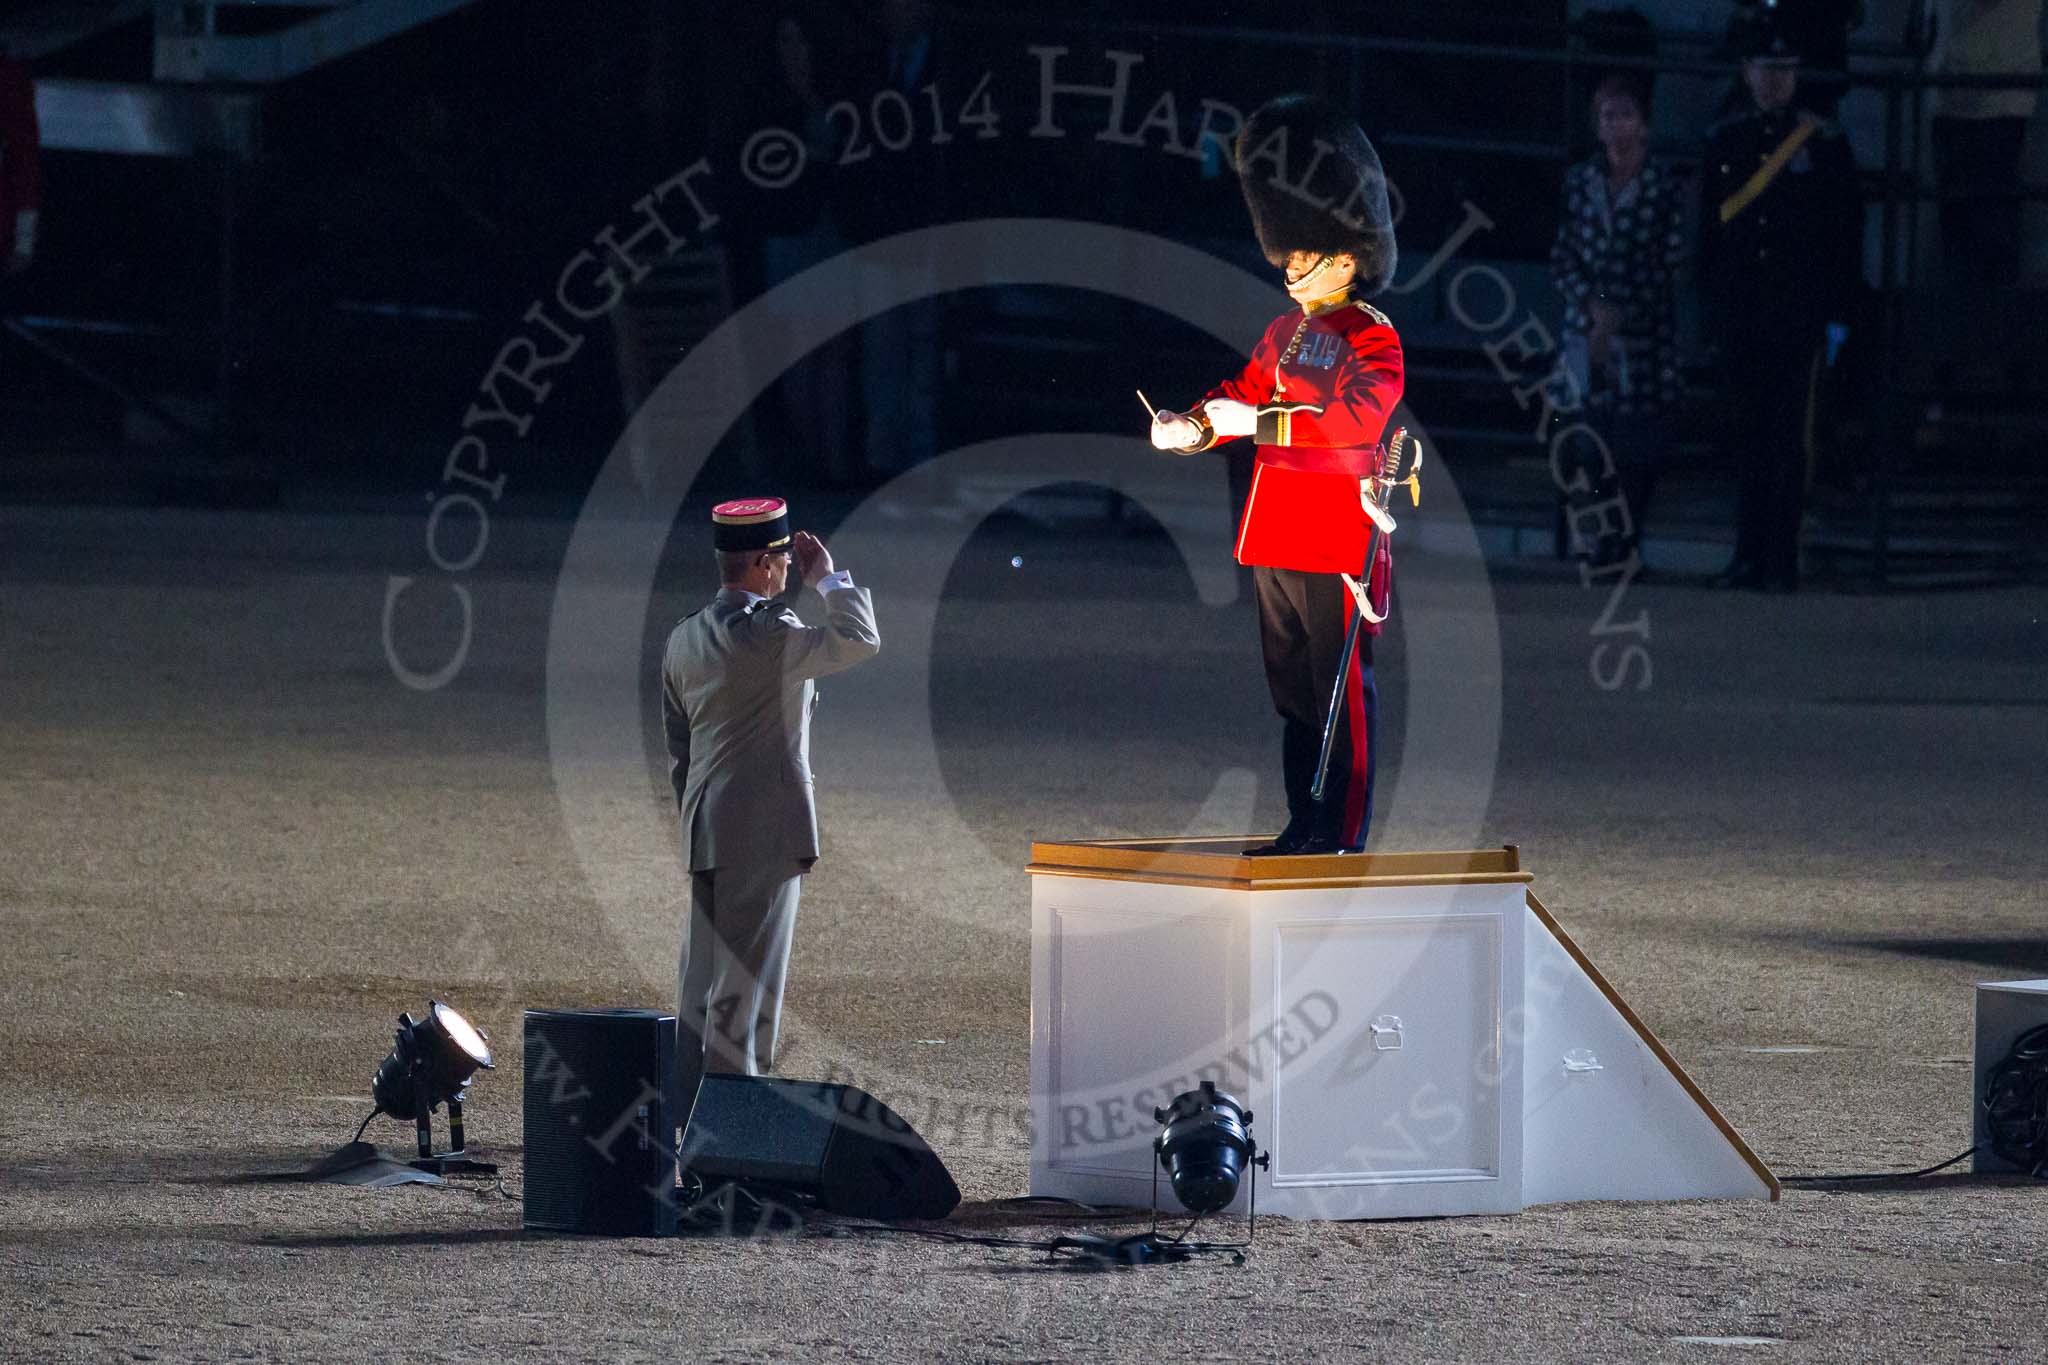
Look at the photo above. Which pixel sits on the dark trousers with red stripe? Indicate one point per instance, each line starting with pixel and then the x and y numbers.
pixel 1302 621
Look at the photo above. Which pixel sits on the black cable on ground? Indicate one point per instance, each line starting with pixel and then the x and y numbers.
pixel 1143 1248
pixel 1061 1201
pixel 1040 1206
pixel 1875 1175
pixel 2015 1115
pixel 366 1126
pixel 836 1229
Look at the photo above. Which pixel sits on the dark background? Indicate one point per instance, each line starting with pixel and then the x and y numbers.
pixel 405 203
pixel 318 311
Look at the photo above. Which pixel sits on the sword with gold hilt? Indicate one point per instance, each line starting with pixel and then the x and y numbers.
pixel 1400 466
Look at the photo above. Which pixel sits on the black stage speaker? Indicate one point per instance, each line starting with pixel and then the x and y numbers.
pixel 832 1145
pixel 601 1121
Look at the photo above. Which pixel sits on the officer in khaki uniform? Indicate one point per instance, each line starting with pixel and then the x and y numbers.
pixel 736 700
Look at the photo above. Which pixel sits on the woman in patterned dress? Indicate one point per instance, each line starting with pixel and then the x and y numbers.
pixel 1619 246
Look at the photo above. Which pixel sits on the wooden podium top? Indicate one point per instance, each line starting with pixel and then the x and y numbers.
pixel 1220 861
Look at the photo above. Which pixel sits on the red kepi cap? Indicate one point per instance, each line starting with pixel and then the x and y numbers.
pixel 750 524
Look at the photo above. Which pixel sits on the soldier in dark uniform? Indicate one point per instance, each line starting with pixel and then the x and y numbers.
pixel 1780 255
pixel 20 162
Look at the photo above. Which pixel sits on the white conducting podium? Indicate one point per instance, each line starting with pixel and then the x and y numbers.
pixel 1413 1033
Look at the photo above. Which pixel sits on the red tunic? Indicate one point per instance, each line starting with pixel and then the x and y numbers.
pixel 1342 363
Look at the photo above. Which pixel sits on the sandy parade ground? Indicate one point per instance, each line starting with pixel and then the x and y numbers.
pixel 233 846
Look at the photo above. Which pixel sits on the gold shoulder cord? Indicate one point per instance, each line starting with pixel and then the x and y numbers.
pixel 1293 348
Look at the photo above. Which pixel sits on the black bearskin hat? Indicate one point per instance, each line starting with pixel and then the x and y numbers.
pixel 1314 183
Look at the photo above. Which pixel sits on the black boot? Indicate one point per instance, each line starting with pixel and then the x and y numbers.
pixel 1739 574
pixel 1289 841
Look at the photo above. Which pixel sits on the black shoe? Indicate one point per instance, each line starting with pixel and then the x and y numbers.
pixel 1611 550
pixel 1286 845
pixel 1740 574
pixel 1322 846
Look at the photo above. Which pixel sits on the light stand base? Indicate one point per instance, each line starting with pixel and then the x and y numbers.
pixel 454 1163
pixel 456 1160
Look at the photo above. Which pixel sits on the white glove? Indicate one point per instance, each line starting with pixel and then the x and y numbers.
pixel 1231 418
pixel 1171 431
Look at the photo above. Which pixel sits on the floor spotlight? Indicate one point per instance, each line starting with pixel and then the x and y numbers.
pixel 432 1062
pixel 1204 1147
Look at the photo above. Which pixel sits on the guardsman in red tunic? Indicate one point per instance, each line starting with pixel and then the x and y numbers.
pixel 1316 397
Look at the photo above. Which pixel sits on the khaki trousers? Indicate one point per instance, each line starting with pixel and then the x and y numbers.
pixel 729 981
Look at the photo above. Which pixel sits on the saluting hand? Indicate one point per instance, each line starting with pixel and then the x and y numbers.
pixel 813 560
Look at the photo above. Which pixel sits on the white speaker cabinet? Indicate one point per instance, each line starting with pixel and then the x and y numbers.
pixel 1413 1033
pixel 2005 1010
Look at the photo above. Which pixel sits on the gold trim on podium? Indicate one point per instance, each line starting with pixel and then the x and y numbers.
pixel 1219 861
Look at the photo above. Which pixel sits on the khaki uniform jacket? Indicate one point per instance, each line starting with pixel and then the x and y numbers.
pixel 736 702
